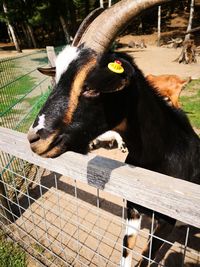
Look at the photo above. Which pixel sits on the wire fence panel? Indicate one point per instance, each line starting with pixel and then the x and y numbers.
pixel 62 221
pixel 22 89
pixel 71 211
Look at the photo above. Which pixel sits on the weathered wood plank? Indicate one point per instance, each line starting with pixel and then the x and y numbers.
pixel 173 197
pixel 51 55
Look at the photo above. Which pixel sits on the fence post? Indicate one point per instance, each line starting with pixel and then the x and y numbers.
pixel 51 55
pixel 52 59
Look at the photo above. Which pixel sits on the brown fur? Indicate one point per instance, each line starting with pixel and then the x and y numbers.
pixel 43 144
pixel 169 86
pixel 121 128
pixel 131 241
pixel 76 89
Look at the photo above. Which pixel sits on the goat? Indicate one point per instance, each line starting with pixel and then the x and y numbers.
pixel 169 86
pixel 96 91
pixel 109 137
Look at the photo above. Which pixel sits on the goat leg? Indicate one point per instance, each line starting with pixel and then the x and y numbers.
pixel 163 229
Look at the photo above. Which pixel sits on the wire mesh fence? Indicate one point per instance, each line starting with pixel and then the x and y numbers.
pixel 62 221
pixel 22 93
pixel 57 217
pixel 22 89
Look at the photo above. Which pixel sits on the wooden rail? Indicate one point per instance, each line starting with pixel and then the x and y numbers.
pixel 173 197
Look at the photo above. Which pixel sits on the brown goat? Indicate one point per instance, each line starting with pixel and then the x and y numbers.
pixel 170 86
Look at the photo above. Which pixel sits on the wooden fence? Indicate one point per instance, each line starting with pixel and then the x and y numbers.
pixel 80 221
pixel 176 198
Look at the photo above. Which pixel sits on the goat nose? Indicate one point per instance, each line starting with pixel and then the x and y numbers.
pixel 33 136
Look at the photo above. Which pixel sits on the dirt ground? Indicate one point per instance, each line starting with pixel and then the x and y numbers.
pixel 159 60
pixel 153 59
pixel 8 50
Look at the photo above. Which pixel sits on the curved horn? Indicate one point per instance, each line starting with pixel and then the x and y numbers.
pixel 103 30
pixel 85 24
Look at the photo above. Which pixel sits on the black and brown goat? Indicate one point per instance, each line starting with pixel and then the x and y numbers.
pixel 90 98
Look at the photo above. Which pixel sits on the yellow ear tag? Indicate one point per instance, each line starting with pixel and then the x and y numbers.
pixel 116 66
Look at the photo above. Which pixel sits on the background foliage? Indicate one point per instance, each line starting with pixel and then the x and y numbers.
pixel 38 23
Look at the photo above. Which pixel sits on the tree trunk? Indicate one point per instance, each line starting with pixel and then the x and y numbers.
pixel 11 29
pixel 87 7
pixel 101 3
pixel 188 53
pixel 9 34
pixel 72 17
pixel 189 27
pixel 64 26
pixel 159 25
pixel 27 37
pixel 30 31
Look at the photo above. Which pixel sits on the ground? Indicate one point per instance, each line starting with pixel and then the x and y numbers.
pixel 160 60
pixel 8 50
pixel 153 59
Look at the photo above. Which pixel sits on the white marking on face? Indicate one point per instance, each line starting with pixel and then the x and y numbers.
pixel 133 226
pixel 66 56
pixel 41 123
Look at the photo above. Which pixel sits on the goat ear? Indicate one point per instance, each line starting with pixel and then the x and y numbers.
pixel 111 77
pixel 48 71
pixel 122 83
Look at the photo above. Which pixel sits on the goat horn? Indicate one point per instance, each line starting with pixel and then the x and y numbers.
pixel 103 30
pixel 85 24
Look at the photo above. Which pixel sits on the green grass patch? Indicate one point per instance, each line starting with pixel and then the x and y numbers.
pixel 191 102
pixel 36 103
pixel 39 248
pixel 11 255
pixel 21 116
pixel 13 92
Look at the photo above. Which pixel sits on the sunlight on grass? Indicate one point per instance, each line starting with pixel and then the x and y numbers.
pixel 11 255
pixel 191 102
pixel 12 93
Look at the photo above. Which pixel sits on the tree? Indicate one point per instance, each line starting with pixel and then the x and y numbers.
pixel 101 3
pixel 189 27
pixel 27 14
pixel 64 26
pixel 159 25
pixel 11 29
pixel 31 34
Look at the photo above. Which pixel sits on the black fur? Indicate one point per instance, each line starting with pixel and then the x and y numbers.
pixel 158 137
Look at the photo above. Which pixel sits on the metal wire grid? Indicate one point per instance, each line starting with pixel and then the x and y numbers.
pixel 22 92
pixel 22 89
pixel 13 68
pixel 61 222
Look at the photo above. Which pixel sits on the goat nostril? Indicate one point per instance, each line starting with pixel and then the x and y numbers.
pixel 33 137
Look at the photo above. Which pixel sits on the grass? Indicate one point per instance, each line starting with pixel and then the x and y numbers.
pixel 36 103
pixel 12 93
pixel 11 255
pixel 190 101
pixel 40 249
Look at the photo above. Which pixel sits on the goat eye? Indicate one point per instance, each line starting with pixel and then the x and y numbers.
pixel 88 92
pixel 86 88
